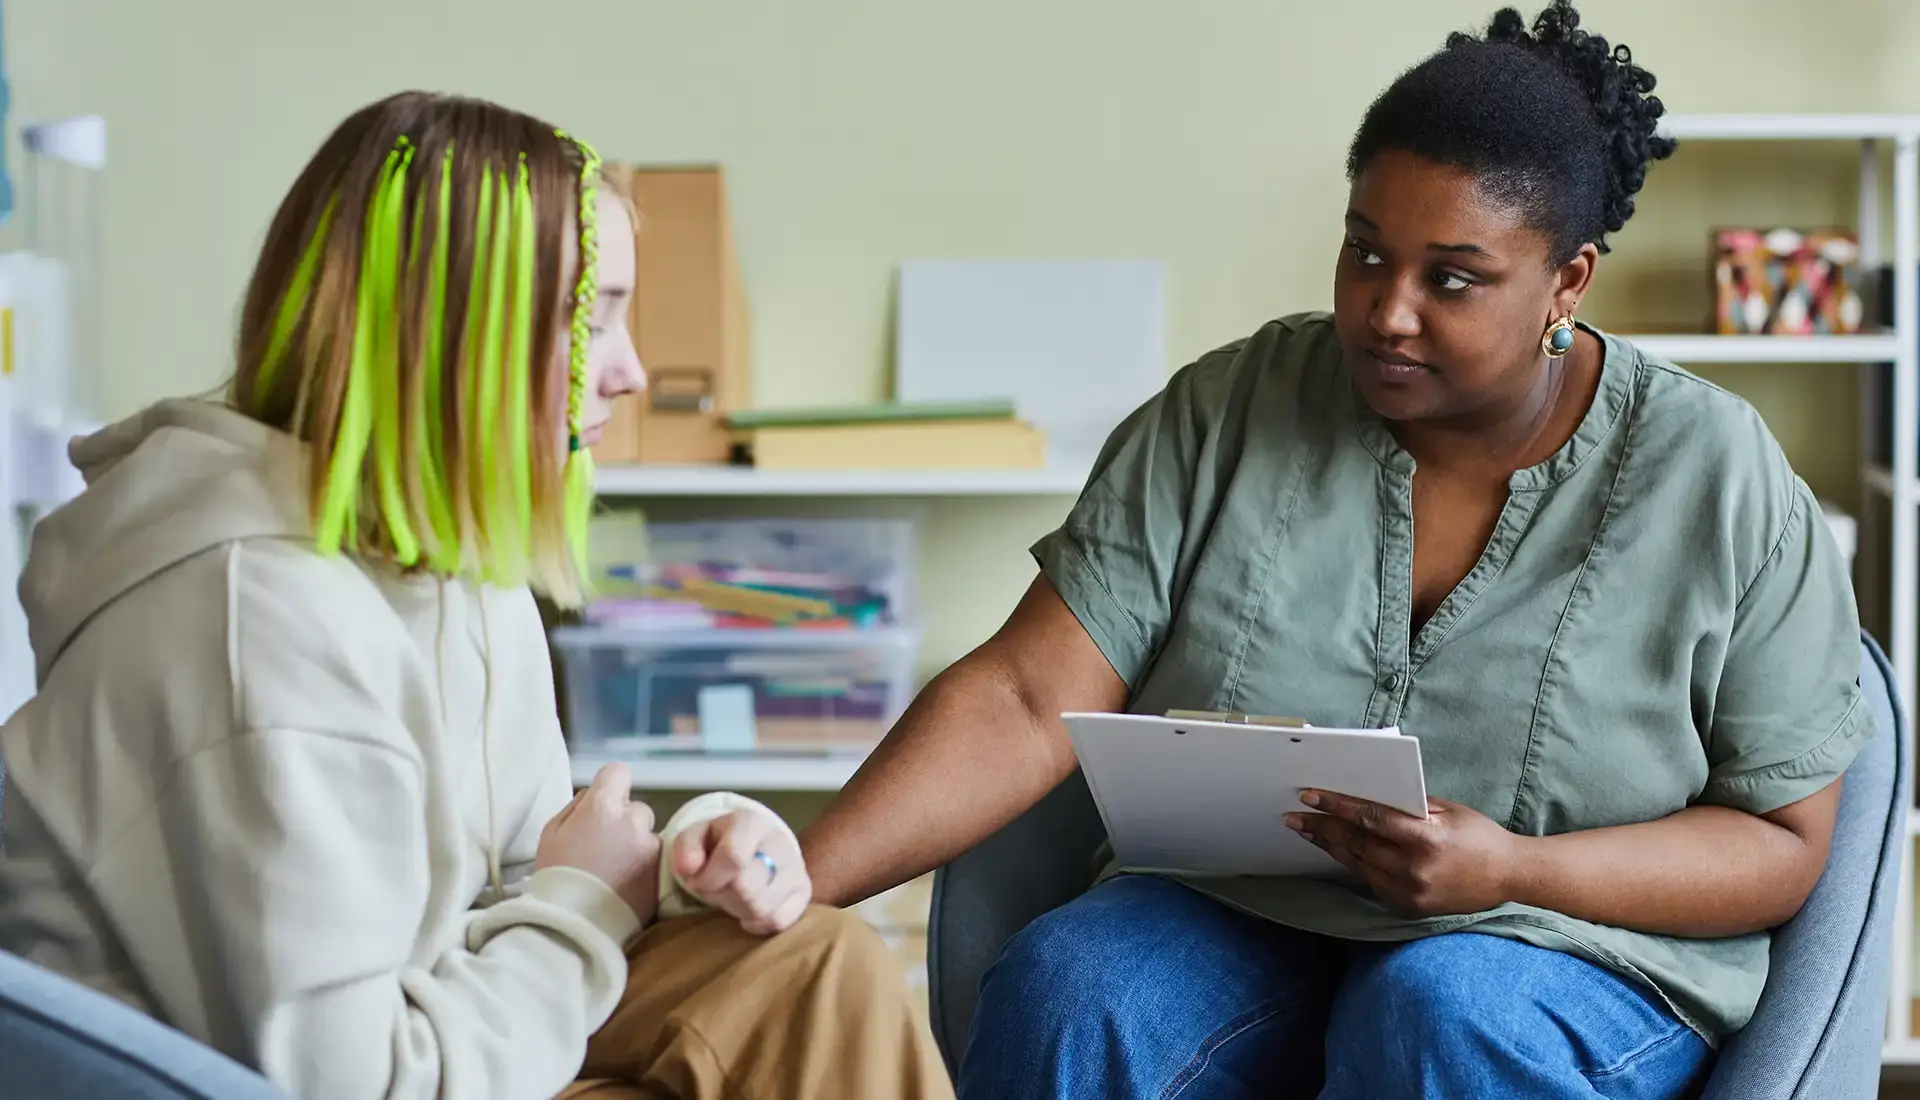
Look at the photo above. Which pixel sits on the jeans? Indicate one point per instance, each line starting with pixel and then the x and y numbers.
pixel 1144 988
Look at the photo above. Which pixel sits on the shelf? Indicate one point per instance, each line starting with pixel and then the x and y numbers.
pixel 588 635
pixel 1706 348
pixel 702 772
pixel 1067 481
pixel 1763 127
pixel 1879 479
pixel 745 481
pixel 1901 1054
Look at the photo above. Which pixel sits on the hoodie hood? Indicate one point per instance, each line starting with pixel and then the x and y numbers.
pixel 162 486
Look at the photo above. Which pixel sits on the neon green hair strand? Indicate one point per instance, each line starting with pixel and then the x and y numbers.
pixel 379 258
pixel 520 352
pixel 387 219
pixel 430 427
pixel 579 472
pixel 299 290
pixel 487 362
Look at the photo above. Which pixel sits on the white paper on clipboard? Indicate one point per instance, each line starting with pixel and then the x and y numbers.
pixel 1209 798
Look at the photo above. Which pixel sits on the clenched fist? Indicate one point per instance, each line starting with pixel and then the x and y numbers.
pixel 609 836
pixel 748 865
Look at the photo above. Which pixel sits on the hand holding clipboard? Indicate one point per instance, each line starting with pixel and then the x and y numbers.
pixel 1209 795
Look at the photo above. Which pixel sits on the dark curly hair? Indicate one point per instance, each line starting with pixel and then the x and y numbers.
pixel 1555 121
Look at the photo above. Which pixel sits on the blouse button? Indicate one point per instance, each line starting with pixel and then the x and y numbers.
pixel 1392 682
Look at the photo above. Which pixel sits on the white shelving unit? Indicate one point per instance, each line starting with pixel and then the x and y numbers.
pixel 1900 483
pixel 702 772
pixel 745 481
pixel 1764 127
pixel 1876 348
pixel 695 771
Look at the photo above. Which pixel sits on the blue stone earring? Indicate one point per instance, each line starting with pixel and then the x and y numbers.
pixel 1559 338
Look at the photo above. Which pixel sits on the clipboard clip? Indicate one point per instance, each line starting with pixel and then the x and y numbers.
pixel 1236 718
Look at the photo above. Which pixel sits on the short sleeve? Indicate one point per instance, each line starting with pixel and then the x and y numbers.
pixel 1119 558
pixel 1788 715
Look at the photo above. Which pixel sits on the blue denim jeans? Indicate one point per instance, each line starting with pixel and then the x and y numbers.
pixel 1146 989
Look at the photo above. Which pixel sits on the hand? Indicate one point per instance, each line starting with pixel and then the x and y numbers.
pixel 1456 861
pixel 609 836
pixel 717 863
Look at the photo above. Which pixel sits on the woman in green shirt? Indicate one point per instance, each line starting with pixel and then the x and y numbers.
pixel 1586 580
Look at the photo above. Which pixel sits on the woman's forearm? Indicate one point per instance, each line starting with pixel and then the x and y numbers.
pixel 969 755
pixel 977 748
pixel 1706 871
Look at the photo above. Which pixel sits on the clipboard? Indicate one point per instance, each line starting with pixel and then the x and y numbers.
pixel 1206 795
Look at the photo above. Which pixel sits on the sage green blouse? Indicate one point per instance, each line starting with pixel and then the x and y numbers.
pixel 1661 618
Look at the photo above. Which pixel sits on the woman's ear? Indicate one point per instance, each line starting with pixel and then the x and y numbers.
pixel 1572 280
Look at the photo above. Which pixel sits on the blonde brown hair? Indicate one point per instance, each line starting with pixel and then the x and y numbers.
pixel 403 320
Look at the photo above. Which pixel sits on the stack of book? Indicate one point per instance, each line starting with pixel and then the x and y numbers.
pixel 969 435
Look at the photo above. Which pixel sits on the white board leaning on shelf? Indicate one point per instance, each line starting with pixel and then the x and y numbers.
pixel 1077 344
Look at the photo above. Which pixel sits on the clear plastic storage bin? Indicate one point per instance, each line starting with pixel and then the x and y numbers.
pixel 787 575
pixel 637 691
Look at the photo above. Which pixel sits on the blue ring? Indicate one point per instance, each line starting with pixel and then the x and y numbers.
pixel 773 869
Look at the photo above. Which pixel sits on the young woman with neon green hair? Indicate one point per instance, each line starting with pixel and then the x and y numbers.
pixel 294 781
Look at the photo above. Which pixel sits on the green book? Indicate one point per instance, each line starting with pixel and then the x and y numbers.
pixel 889 413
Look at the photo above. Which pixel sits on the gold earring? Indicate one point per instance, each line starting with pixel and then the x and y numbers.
pixel 1558 340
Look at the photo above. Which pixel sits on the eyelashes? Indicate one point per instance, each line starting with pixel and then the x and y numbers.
pixel 1447 282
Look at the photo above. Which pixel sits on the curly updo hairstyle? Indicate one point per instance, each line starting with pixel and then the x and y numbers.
pixel 1553 120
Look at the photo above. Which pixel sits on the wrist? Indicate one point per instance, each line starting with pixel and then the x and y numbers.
pixel 828 887
pixel 587 894
pixel 645 885
pixel 1522 860
pixel 646 888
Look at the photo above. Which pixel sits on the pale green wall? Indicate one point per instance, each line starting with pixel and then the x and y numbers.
pixel 1207 133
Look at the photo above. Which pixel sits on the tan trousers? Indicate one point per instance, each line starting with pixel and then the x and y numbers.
pixel 712 1013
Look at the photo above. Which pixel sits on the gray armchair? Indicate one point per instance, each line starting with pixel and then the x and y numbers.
pixel 1821 1019
pixel 60 1040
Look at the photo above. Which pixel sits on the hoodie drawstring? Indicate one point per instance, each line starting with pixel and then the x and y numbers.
pixel 486 748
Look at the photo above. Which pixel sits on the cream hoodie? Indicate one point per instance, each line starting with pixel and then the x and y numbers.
pixel 265 795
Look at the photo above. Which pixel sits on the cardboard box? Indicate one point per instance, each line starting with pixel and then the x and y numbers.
pixel 689 320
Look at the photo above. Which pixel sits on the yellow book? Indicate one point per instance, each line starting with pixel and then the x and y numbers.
pixel 740 600
pixel 996 444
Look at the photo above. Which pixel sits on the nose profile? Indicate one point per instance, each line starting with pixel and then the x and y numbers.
pixel 1393 313
pixel 627 374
